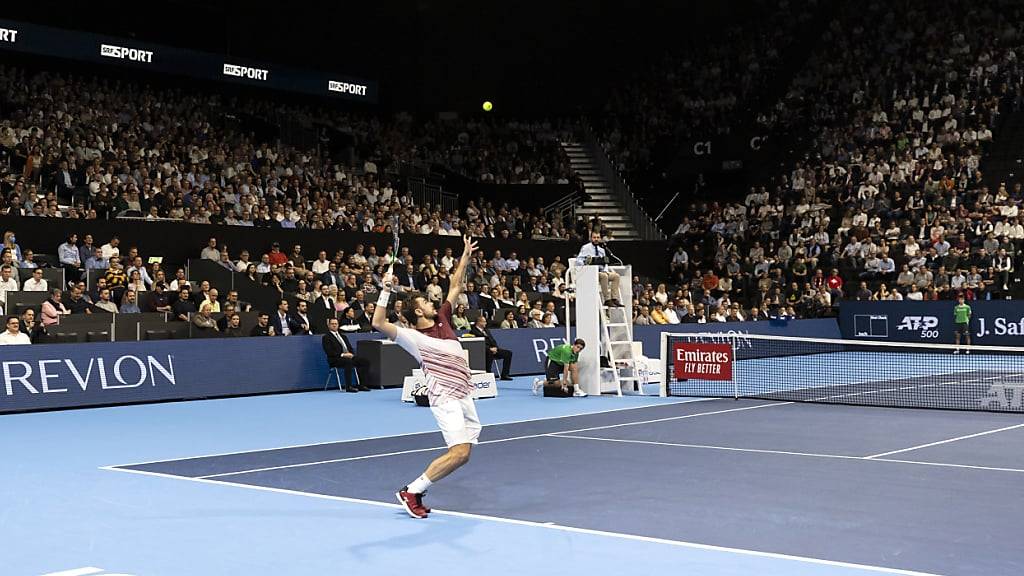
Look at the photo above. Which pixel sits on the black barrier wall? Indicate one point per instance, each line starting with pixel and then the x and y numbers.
pixel 177 242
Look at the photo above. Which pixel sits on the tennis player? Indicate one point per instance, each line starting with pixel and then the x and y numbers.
pixel 562 368
pixel 962 320
pixel 434 345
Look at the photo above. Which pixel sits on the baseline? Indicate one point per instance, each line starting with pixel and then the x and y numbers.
pixel 550 526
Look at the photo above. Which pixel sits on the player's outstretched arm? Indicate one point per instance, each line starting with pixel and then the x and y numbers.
pixel 380 314
pixel 469 246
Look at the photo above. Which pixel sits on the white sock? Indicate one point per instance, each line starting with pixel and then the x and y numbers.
pixel 420 485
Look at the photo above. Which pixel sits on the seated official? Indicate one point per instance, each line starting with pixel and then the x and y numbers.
pixel 491 346
pixel 340 354
pixel 608 279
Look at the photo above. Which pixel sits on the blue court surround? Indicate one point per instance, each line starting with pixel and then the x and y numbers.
pixel 731 488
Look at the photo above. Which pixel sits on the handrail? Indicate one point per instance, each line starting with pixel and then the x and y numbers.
pixel 645 225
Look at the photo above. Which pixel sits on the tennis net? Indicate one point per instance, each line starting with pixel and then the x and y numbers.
pixel 822 370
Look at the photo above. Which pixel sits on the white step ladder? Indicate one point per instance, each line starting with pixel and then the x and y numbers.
pixel 617 341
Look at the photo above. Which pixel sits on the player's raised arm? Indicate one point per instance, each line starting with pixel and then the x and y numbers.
pixel 380 314
pixel 469 246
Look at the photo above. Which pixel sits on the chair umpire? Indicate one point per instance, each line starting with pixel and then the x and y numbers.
pixel 341 355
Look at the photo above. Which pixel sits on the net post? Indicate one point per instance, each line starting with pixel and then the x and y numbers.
pixel 664 365
pixel 735 366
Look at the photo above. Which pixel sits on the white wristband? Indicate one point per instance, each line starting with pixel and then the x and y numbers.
pixel 384 299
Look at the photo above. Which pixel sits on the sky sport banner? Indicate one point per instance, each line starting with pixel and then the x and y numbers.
pixel 82 46
pixel 692 360
pixel 993 322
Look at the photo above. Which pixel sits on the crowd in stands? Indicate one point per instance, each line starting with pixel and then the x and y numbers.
pixel 889 204
pixel 699 90
pixel 91 147
pixel 510 292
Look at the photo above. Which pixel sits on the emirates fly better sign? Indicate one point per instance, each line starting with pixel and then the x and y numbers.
pixel 702 361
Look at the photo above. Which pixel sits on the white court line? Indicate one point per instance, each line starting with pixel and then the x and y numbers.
pixel 404 434
pixel 706 447
pixel 76 572
pixel 787 453
pixel 526 437
pixel 548 526
pixel 940 442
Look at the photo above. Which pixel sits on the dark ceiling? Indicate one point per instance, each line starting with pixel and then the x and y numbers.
pixel 529 57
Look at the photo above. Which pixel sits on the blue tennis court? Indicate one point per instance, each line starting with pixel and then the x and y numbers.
pixel 303 484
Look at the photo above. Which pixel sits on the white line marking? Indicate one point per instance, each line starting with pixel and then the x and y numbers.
pixel 687 401
pixel 946 465
pixel 706 447
pixel 958 438
pixel 526 437
pixel 787 453
pixel 76 572
pixel 571 529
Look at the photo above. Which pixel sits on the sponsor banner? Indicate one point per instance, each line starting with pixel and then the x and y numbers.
pixel 529 346
pixel 702 361
pixel 125 53
pixel 47 376
pixel 993 322
pixel 60 43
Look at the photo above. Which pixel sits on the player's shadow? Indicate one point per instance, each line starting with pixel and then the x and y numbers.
pixel 438 530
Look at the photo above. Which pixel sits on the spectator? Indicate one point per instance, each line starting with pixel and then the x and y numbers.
pixel 159 301
pixel 493 351
pixel 183 306
pixel 28 325
pixel 340 354
pixel 203 321
pixel 459 319
pixel 210 252
pixel 77 304
pixel 52 308
pixel 13 334
pixel 284 323
pixel 7 283
pixel 129 304
pixel 301 318
pixel 36 283
pixel 262 327
pixel 110 249
pixel 104 303
pixel 233 329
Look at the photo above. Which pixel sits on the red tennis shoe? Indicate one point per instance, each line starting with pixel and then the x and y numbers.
pixel 412 503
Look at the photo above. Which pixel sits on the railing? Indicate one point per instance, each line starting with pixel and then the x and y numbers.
pixel 562 206
pixel 424 193
pixel 644 224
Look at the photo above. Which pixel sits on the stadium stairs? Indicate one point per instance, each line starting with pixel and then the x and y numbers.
pixel 608 197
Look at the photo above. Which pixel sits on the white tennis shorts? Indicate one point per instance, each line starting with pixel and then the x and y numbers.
pixel 458 421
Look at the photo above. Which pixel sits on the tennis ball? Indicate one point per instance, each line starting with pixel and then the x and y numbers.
pixel 488 106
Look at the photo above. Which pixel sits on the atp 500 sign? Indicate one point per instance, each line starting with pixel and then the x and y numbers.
pixel 927 326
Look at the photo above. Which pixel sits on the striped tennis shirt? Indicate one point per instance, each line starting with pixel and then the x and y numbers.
pixel 440 354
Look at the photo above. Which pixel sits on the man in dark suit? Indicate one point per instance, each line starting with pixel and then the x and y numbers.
pixel 284 324
pixel 324 300
pixel 340 355
pixel 491 345
pixel 331 277
pixel 301 318
pixel 406 277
